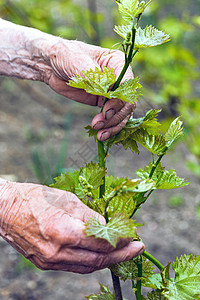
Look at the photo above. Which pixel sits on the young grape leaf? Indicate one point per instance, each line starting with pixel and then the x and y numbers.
pixel 155 295
pixel 92 175
pixel 185 266
pixel 69 182
pixel 123 30
pixel 186 284
pixel 148 122
pixel 169 180
pixel 128 9
pixel 114 181
pixel 187 289
pixel 95 82
pixel 174 132
pixel 118 227
pixel 117 201
pixel 123 203
pixel 163 179
pixel 129 143
pixel 127 91
pixel 128 270
pixel 150 37
pixel 154 143
pixel 144 174
pixel 119 196
pixel 154 281
pixel 98 82
pixel 91 132
pixel 104 294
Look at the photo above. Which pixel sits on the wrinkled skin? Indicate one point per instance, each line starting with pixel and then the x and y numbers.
pixel 67 63
pixel 46 225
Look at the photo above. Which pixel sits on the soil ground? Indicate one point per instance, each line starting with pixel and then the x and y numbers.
pixel 33 120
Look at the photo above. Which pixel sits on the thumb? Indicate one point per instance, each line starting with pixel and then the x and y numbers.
pixel 89 214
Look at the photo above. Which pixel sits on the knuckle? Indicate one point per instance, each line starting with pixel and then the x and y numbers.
pixel 119 54
pixel 100 262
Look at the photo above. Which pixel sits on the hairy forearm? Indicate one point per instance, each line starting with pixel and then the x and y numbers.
pixel 24 52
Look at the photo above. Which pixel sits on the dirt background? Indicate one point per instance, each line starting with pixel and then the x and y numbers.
pixel 33 119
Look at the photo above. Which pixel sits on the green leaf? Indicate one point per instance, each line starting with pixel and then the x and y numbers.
pixel 144 174
pixel 169 180
pixel 128 270
pixel 95 82
pixel 187 265
pixel 127 91
pixel 104 294
pixel 91 132
pixel 123 30
pixel 163 179
pixel 129 143
pixel 118 227
pixel 92 175
pixel 150 37
pixel 98 82
pixel 186 284
pixel 153 143
pixel 154 281
pixel 128 9
pixel 148 122
pixel 155 295
pixel 119 196
pixel 187 289
pixel 174 132
pixel 69 182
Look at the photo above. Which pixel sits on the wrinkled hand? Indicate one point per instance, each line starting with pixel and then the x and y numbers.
pixel 73 57
pixel 46 225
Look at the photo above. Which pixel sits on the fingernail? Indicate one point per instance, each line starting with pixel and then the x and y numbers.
pixel 99 125
pixel 105 136
pixel 141 250
pixel 109 114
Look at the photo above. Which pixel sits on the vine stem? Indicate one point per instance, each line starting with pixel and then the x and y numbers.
pixel 102 163
pixel 157 162
pixel 102 153
pixel 117 287
pixel 150 176
pixel 138 292
pixel 153 260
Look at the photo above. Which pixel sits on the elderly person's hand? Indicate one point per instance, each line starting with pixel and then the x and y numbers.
pixel 31 54
pixel 47 226
pixel 69 58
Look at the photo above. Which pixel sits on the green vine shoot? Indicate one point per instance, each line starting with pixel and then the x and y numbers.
pixel 118 199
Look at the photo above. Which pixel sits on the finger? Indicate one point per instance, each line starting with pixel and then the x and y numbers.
pixel 84 261
pixel 74 94
pixel 107 133
pixel 114 112
pixel 111 107
pixel 61 266
pixel 72 259
pixel 66 231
